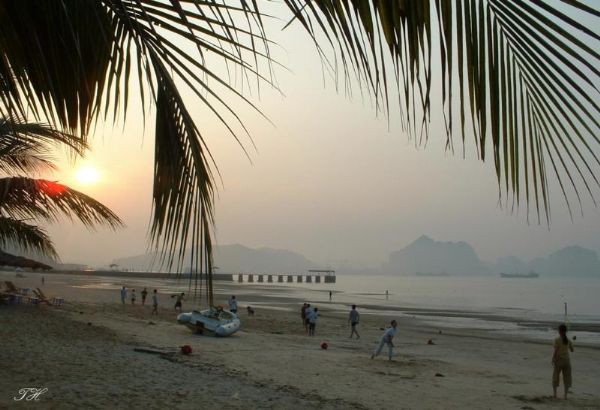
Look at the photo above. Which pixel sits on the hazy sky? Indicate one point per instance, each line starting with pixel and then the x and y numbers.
pixel 330 180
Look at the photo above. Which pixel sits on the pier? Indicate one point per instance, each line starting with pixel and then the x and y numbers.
pixel 316 276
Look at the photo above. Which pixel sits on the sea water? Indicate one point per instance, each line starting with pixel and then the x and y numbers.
pixel 523 306
pixel 529 307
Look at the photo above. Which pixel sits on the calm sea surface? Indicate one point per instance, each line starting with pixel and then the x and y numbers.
pixel 521 306
pixel 510 305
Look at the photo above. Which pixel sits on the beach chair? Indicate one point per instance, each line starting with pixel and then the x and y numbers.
pixel 11 287
pixel 40 296
pixel 56 301
pixel 12 294
pixel 5 295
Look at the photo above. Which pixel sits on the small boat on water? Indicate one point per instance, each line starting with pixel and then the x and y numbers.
pixel 216 320
pixel 434 274
pixel 520 275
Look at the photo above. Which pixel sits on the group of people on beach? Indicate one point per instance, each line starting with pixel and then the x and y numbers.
pixel 180 297
pixel 310 315
pixel 561 360
pixel 309 318
pixel 144 294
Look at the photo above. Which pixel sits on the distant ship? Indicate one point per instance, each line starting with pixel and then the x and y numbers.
pixel 520 275
pixel 431 274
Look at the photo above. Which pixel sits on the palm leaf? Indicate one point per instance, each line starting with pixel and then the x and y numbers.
pixel 22 198
pixel 527 72
pixel 26 237
pixel 24 146
pixel 72 64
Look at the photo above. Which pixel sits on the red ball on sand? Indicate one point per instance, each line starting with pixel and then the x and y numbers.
pixel 186 349
pixel 324 345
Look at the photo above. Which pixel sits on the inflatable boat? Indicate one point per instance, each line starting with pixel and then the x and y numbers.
pixel 215 320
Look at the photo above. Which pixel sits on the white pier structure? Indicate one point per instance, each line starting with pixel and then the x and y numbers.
pixel 313 276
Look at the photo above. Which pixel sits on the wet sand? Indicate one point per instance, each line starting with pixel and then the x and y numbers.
pixel 83 352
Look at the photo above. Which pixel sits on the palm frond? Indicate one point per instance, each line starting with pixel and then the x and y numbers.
pixel 527 73
pixel 179 197
pixel 56 57
pixel 22 198
pixel 24 146
pixel 72 64
pixel 26 237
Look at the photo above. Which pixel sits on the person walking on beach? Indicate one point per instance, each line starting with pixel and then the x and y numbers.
pixel 561 361
pixel 307 312
pixel 312 321
pixel 303 314
pixel 330 295
pixel 233 305
pixel 133 296
pixel 178 302
pixel 353 319
pixel 123 294
pixel 387 339
pixel 144 294
pixel 155 303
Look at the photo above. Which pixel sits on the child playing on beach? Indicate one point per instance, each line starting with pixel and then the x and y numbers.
pixel 561 360
pixel 307 313
pixel 155 303
pixel 312 321
pixel 178 302
pixel 123 294
pixel 303 314
pixel 133 296
pixel 233 304
pixel 387 338
pixel 353 319
pixel 144 294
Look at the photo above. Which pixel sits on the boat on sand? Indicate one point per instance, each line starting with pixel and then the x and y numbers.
pixel 216 320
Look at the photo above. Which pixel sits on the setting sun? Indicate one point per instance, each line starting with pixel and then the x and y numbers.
pixel 88 175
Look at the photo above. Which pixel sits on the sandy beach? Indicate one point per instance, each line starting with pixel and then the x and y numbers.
pixel 83 353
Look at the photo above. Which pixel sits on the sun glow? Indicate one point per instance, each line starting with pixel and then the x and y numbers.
pixel 88 175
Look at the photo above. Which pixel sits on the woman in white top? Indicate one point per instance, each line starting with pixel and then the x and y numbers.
pixel 561 360
pixel 387 339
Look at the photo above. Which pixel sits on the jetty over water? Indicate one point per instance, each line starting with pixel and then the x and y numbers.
pixel 313 276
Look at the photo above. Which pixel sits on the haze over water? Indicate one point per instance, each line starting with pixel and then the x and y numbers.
pixel 530 307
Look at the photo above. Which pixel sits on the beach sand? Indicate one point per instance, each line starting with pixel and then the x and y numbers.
pixel 83 353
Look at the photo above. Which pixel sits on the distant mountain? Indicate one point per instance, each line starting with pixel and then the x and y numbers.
pixel 144 262
pixel 570 261
pixel 235 258
pixel 238 258
pixel 428 256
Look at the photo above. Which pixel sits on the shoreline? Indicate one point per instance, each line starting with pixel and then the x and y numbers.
pixel 267 296
pixel 83 352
